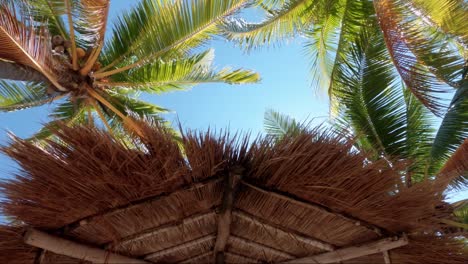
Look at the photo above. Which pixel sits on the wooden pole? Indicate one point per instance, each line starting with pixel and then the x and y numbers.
pixel 353 252
pixel 225 216
pixel 72 249
pixel 386 256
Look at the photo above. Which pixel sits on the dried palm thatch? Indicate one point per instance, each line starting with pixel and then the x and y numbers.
pixel 224 199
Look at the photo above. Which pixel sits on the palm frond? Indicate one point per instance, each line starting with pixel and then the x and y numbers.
pixel 49 12
pixel 21 44
pixel 405 42
pixel 154 29
pixel 453 129
pixel 160 76
pixel 321 43
pixel 449 15
pixel 357 14
pixel 371 97
pixel 19 95
pixel 68 113
pixel 387 120
pixel 278 125
pixel 282 23
pixel 92 26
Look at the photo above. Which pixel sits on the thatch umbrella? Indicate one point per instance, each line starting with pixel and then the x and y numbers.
pixel 309 198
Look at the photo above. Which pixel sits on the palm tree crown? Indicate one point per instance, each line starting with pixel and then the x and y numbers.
pixel 53 49
pixel 385 65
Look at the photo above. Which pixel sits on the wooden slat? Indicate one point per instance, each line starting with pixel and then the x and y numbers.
pixel 161 229
pixel 133 204
pixel 280 229
pixel 75 250
pixel 315 207
pixel 198 257
pixel 263 248
pixel 180 247
pixel 353 252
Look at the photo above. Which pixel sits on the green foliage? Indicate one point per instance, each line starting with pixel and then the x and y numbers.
pixel 19 95
pixel 278 125
pixel 154 48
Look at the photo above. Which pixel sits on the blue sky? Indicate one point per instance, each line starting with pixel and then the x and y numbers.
pixel 285 87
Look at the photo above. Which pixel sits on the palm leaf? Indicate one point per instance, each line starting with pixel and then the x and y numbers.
pixel 449 15
pixel 403 38
pixel 292 17
pixel 49 12
pixel 453 129
pixel 92 25
pixel 321 44
pixel 68 113
pixel 181 74
pixel 18 95
pixel 278 125
pixel 154 29
pixel 22 45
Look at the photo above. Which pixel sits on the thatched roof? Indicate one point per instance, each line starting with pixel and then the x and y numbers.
pixel 227 199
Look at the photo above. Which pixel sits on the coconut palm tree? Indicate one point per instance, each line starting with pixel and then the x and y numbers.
pixel 385 65
pixel 57 50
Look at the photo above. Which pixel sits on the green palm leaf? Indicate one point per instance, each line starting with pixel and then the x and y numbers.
pixel 282 23
pixel 278 125
pixel 154 29
pixel 453 128
pixel 21 95
pixel 180 74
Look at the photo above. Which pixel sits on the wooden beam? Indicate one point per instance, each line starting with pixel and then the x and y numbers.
pixel 284 231
pixel 225 215
pixel 314 206
pixel 198 257
pixel 72 249
pixel 386 256
pixel 180 247
pixel 245 258
pixel 160 229
pixel 264 248
pixel 122 208
pixel 353 252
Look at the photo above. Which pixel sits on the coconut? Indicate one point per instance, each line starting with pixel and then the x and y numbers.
pixel 57 40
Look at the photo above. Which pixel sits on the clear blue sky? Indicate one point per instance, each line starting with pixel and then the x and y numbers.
pixel 285 87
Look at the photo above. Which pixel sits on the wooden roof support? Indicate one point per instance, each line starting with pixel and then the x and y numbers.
pixel 72 249
pixel 280 229
pixel 225 215
pixel 353 252
pixel 386 256
pixel 180 247
pixel 89 219
pixel 261 247
pixel 314 206
pixel 245 258
pixel 197 258
pixel 160 229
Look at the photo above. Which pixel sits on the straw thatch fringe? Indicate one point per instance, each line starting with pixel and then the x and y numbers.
pixel 297 196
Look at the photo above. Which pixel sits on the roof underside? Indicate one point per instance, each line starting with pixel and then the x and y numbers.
pixel 251 202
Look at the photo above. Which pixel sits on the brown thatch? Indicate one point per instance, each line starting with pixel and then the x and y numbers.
pixel 224 198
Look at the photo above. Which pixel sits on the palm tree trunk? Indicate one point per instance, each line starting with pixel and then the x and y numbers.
pixel 16 72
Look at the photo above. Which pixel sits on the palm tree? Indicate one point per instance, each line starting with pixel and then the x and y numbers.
pixel 385 65
pixel 57 50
